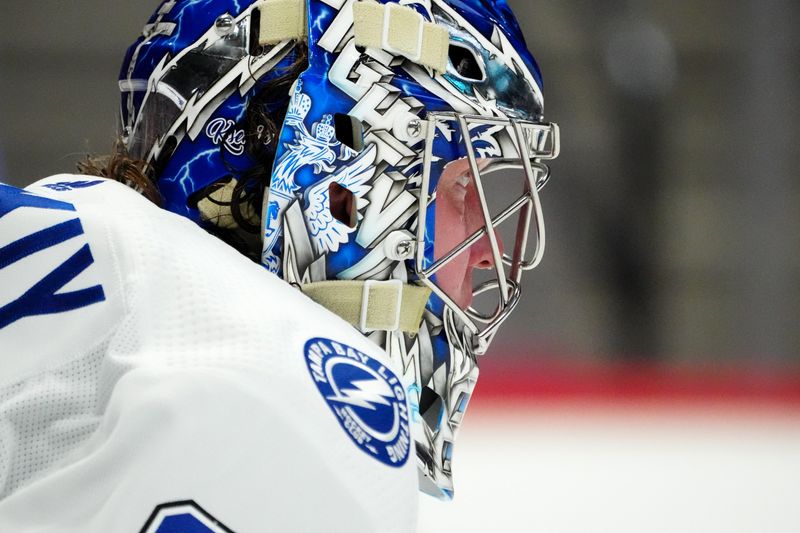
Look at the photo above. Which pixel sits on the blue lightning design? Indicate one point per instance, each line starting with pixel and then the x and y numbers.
pixel 184 174
pixel 239 109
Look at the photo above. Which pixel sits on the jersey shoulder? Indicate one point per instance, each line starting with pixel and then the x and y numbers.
pixel 87 262
pixel 80 255
pixel 60 291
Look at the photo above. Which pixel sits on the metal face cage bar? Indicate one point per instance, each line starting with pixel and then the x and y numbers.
pixel 534 143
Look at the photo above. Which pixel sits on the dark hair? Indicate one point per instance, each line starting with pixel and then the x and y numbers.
pixel 262 122
pixel 121 167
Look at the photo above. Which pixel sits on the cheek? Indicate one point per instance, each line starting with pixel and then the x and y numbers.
pixel 450 226
pixel 473 213
pixel 455 279
pixel 450 232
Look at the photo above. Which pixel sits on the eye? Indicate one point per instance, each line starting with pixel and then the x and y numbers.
pixel 465 63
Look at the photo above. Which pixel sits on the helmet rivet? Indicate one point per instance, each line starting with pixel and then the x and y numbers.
pixel 224 24
pixel 399 245
pixel 414 128
pixel 404 249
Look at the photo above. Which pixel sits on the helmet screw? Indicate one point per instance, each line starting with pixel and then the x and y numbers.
pixel 404 249
pixel 414 128
pixel 224 24
pixel 399 245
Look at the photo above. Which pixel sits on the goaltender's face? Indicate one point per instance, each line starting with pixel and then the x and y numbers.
pixel 459 215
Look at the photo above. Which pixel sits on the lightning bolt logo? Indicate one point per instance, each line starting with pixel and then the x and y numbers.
pixel 365 394
pixel 366 397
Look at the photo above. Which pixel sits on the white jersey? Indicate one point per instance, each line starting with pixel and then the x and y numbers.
pixel 152 379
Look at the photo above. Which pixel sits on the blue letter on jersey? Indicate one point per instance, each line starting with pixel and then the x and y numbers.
pixel 183 517
pixel 12 198
pixel 44 298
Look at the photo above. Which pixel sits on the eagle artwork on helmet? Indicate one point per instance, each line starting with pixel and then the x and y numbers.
pixel 402 191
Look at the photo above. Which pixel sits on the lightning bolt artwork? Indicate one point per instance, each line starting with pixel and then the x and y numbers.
pixel 365 394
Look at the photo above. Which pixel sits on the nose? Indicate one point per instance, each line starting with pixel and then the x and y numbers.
pixel 480 255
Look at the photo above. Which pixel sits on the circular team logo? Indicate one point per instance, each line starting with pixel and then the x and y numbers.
pixel 367 398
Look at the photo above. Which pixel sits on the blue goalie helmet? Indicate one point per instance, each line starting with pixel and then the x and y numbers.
pixel 400 188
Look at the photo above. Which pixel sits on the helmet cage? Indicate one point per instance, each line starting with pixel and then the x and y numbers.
pixel 533 143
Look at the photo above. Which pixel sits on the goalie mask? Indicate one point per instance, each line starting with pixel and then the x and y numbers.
pixel 404 194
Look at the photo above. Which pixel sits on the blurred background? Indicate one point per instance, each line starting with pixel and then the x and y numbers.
pixel 664 318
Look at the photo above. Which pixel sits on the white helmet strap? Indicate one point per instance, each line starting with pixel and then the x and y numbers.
pixel 400 30
pixel 282 20
pixel 372 305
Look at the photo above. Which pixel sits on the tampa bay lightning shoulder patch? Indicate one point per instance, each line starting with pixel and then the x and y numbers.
pixel 368 399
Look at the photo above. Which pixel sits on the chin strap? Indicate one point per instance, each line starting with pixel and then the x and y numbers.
pixel 372 305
